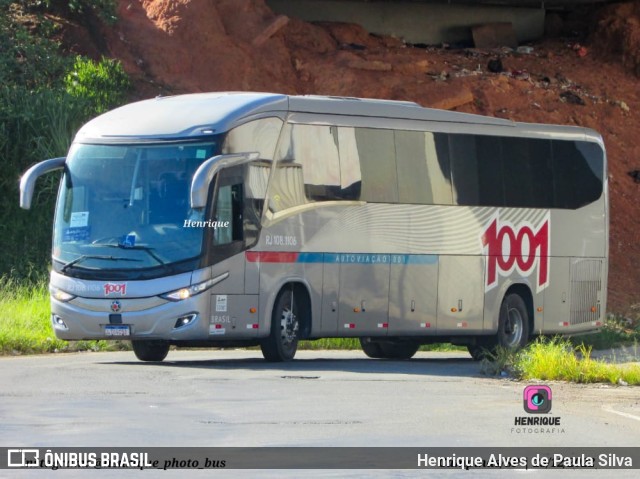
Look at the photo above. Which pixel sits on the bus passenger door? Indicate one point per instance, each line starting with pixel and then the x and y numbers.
pixel 460 294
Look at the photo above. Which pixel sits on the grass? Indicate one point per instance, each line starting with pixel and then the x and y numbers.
pixel 331 343
pixel 25 326
pixel 617 331
pixel 557 359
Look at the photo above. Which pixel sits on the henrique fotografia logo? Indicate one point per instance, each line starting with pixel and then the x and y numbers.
pixel 537 399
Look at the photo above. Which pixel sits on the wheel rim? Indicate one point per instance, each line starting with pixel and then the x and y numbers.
pixel 513 328
pixel 288 325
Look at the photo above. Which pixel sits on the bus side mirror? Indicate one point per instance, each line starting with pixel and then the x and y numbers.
pixel 207 170
pixel 28 180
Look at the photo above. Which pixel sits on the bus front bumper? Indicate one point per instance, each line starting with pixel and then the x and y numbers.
pixel 183 320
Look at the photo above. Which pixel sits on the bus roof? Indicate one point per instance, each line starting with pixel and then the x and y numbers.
pixel 203 114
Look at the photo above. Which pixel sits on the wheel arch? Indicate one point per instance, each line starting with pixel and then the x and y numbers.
pixel 495 297
pixel 524 291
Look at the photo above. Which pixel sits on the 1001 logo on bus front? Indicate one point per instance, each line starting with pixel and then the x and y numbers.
pixel 521 248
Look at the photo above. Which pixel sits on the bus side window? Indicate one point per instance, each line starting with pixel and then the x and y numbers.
pixel 228 215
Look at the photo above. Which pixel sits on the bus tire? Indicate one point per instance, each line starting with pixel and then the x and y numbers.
pixel 513 323
pixel 150 350
pixel 371 348
pixel 399 349
pixel 282 343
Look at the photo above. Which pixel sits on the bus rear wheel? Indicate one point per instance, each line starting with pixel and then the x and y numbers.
pixel 399 349
pixel 388 349
pixel 282 342
pixel 150 350
pixel 371 348
pixel 513 323
pixel 513 330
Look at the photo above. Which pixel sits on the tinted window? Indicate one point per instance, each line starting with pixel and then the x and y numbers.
pixel 524 172
pixel 319 163
pixel 315 163
pixel 541 173
pixel 577 170
pixel 522 161
pixel 491 177
pixel 464 169
pixel 376 150
pixel 421 176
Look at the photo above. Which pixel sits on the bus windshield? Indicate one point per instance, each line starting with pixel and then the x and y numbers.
pixel 124 207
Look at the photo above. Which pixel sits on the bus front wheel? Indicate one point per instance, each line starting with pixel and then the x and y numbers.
pixel 149 350
pixel 282 342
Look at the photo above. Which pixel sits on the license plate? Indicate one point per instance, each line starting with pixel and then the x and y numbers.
pixel 117 330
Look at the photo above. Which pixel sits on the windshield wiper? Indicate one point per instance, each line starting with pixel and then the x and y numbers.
pixel 146 249
pixel 93 256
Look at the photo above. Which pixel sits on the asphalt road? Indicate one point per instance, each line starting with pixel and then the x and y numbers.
pixel 234 398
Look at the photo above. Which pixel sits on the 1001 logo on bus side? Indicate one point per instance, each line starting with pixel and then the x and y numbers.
pixel 522 248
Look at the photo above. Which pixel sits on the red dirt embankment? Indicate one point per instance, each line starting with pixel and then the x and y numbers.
pixel 177 46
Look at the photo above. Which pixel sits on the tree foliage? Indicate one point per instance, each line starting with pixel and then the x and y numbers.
pixel 45 96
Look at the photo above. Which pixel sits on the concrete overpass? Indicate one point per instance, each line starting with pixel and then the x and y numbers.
pixel 432 22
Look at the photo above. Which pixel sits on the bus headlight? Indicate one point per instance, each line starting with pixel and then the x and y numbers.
pixel 60 295
pixel 185 293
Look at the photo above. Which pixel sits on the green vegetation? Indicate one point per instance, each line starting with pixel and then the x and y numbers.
pixel 617 331
pixel 102 84
pixel 104 9
pixel 331 343
pixel 557 359
pixel 44 98
pixel 353 344
pixel 25 326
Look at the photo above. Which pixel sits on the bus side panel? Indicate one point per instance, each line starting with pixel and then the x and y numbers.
pixel 460 294
pixel 364 299
pixel 231 316
pixel 234 283
pixel 330 299
pixel 413 297
pixel 556 296
pixel 582 297
pixel 252 277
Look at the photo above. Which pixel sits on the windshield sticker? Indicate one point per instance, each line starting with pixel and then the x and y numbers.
pixel 221 303
pixel 71 235
pixel 127 241
pixel 79 219
pixel 201 154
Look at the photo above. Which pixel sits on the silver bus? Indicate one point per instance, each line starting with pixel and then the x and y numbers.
pixel 246 219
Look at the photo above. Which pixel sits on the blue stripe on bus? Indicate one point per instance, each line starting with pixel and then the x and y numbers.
pixel 366 258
